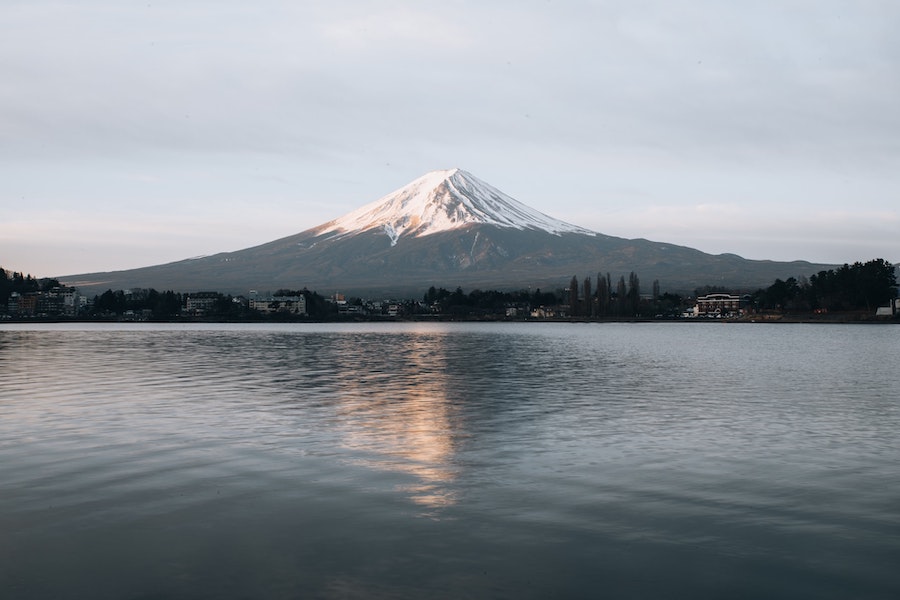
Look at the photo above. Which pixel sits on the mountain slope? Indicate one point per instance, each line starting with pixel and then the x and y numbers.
pixel 448 229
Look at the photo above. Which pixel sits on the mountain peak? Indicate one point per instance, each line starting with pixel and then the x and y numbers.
pixel 442 201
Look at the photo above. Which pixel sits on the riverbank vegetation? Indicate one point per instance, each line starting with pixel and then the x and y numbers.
pixel 850 291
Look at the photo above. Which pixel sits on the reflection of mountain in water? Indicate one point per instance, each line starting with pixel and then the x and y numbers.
pixel 402 420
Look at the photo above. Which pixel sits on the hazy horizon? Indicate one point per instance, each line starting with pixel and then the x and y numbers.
pixel 141 134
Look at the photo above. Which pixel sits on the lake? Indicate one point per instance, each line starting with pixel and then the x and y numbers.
pixel 456 460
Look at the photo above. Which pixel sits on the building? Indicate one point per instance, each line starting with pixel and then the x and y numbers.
pixel 68 300
pixel 718 305
pixel 23 305
pixel 56 302
pixel 295 305
pixel 200 303
pixel 14 304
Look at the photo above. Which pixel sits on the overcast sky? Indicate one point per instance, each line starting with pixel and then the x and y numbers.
pixel 137 133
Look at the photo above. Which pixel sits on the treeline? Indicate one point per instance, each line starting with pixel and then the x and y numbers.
pixel 161 305
pixel 621 300
pixel 21 283
pixel 624 299
pixel 856 287
pixel 169 305
pixel 479 302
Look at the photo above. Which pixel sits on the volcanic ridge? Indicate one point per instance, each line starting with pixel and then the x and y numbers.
pixel 447 228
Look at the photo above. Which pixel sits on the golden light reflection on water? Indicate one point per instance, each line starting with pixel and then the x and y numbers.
pixel 403 421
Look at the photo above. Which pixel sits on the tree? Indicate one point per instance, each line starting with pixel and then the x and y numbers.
pixel 588 298
pixel 110 302
pixel 49 284
pixel 573 296
pixel 602 295
pixel 876 283
pixel 669 304
pixel 857 286
pixel 621 296
pixel 543 298
pixel 782 295
pixel 5 288
pixel 634 294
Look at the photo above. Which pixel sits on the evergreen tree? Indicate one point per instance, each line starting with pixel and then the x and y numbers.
pixel 573 296
pixel 621 296
pixel 634 294
pixel 5 288
pixel 588 298
pixel 602 295
pixel 857 286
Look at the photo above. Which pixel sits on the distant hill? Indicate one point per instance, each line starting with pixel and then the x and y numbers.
pixel 447 228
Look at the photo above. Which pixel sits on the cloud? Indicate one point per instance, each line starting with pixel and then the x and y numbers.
pixel 396 26
pixel 586 110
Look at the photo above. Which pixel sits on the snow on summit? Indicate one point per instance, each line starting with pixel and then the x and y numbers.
pixel 442 201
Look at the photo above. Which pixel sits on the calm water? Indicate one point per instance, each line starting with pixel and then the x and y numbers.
pixel 450 461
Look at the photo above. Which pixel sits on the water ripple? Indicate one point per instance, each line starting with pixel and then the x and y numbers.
pixel 413 458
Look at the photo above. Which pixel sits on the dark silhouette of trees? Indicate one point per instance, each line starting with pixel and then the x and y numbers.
pixel 162 306
pixel 634 294
pixel 20 283
pixel 588 309
pixel 621 296
pixel 539 298
pixel 857 286
pixel 860 286
pixel 110 302
pixel 603 295
pixel 711 289
pixel 668 305
pixel 166 305
pixel 485 303
pixel 435 295
pixel 784 295
pixel 573 297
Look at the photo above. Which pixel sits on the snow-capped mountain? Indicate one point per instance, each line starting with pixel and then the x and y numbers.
pixel 446 228
pixel 442 201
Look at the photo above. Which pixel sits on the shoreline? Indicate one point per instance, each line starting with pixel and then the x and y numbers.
pixel 835 319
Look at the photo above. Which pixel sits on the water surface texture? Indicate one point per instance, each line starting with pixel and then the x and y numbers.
pixel 449 461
